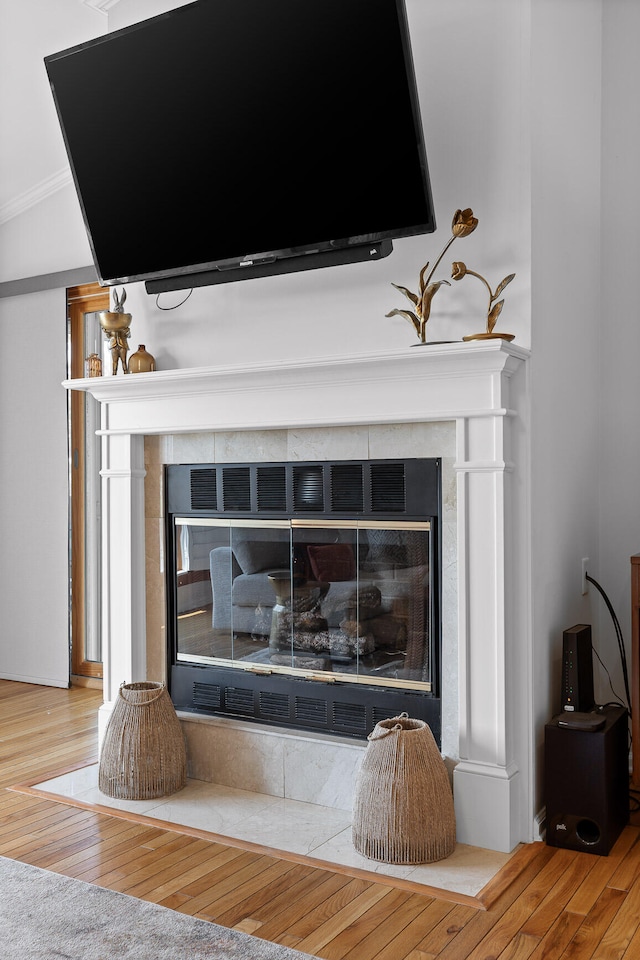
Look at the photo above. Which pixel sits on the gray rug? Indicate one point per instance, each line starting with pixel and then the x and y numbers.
pixel 45 916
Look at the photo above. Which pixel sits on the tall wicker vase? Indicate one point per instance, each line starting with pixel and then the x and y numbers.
pixel 403 810
pixel 143 754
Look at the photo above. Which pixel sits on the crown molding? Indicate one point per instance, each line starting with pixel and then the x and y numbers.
pixel 34 195
pixel 102 6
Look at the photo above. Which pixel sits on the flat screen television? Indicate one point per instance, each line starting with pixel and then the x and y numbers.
pixel 228 139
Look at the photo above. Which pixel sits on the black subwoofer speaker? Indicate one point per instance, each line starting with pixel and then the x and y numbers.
pixel 587 780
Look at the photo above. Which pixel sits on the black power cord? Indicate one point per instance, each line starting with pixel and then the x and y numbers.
pixel 634 798
pixel 175 307
pixel 619 638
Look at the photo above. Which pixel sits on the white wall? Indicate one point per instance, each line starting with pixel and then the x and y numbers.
pixel 49 236
pixel 46 238
pixel 619 321
pixel 31 30
pixel 35 238
pixel 34 639
pixel 565 388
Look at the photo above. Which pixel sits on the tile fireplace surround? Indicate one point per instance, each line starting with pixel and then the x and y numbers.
pixel 461 396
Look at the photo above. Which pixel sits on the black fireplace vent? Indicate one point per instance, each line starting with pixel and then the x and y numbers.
pixel 388 492
pixel 274 707
pixel 310 711
pixel 271 492
pixel 342 488
pixel 347 488
pixel 239 700
pixel 203 489
pixel 351 718
pixel 207 696
pixel 308 488
pixel 350 710
pixel 236 489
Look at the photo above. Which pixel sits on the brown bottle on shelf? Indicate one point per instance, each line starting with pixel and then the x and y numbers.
pixel 141 361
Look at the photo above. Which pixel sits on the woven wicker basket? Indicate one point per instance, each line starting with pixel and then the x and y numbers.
pixel 143 754
pixel 403 809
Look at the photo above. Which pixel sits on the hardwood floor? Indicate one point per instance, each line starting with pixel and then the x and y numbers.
pixel 560 906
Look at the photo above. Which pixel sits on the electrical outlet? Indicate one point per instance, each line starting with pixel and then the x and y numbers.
pixel 584 572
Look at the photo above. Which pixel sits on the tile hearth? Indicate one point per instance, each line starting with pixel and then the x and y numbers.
pixel 288 826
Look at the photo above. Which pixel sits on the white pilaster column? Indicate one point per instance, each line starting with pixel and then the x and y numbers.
pixel 123 565
pixel 485 780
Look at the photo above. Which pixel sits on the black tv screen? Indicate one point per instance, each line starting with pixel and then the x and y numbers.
pixel 245 132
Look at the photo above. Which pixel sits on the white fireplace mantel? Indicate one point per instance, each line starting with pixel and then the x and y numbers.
pixel 468 383
pixel 440 381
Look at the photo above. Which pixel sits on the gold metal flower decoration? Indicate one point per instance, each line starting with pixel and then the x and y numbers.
pixel 462 225
pixel 494 308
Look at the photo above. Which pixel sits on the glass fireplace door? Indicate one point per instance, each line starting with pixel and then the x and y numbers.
pixel 339 600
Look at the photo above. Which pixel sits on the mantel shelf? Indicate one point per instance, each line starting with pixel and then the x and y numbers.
pixel 434 381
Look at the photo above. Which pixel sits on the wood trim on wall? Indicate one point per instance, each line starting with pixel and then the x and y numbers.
pixel 82 299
